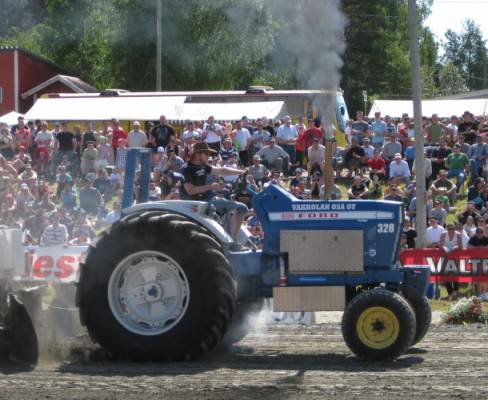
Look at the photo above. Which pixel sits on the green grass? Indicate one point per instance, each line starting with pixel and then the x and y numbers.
pixel 441 305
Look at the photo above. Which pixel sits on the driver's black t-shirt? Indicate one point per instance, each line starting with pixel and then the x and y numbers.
pixel 197 175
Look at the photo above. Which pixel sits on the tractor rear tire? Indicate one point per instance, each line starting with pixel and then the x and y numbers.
pixel 242 322
pixel 156 287
pixel 378 325
pixel 423 317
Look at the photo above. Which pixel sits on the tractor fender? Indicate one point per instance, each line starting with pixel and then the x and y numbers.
pixel 416 281
pixel 194 210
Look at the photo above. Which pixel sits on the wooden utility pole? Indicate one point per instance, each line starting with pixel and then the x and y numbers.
pixel 421 209
pixel 328 168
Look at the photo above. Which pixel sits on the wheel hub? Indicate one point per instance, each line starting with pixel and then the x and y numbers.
pixel 148 293
pixel 377 327
pixel 153 292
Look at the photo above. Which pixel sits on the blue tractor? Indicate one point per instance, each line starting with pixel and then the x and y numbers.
pixel 164 282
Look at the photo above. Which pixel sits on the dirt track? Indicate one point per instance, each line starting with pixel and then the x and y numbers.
pixel 283 362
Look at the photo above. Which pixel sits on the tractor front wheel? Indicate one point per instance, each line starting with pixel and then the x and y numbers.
pixel 378 324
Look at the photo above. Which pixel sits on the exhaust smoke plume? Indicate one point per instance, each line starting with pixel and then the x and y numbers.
pixel 310 40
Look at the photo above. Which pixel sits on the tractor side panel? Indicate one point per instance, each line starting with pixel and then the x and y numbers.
pixel 379 224
pixel 323 251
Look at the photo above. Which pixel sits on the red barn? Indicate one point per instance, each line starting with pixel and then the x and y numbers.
pixel 25 76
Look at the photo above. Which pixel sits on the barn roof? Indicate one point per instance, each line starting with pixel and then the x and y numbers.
pixel 75 84
pixel 30 54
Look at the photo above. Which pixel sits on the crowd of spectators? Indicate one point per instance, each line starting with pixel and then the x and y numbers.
pixel 59 185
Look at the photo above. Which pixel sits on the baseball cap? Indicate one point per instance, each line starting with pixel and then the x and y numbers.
pixel 24 186
pixel 160 149
pixel 256 157
pixel 398 155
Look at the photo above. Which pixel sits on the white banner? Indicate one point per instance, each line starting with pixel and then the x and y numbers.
pixel 56 263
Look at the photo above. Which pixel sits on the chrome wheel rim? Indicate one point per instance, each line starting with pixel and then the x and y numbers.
pixel 148 293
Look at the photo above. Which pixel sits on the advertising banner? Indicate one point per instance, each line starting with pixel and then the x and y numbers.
pixel 469 265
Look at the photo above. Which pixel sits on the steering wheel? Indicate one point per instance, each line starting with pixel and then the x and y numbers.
pixel 240 185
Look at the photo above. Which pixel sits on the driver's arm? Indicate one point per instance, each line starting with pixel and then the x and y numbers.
pixel 192 190
pixel 224 171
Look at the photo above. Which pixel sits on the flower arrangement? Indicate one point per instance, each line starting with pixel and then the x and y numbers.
pixel 466 311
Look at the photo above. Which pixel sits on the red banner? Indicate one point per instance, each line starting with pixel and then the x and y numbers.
pixel 470 265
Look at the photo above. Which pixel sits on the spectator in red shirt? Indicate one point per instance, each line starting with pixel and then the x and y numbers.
pixel 377 167
pixel 311 133
pixel 117 133
pixel 22 136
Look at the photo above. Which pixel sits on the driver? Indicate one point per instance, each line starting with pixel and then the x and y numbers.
pixel 196 187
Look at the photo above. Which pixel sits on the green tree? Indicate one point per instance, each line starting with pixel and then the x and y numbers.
pixel 220 44
pixel 450 80
pixel 467 51
pixel 377 57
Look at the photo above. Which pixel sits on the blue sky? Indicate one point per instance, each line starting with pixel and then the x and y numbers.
pixel 451 13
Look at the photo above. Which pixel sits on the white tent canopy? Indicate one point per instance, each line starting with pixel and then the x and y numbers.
pixel 444 108
pixel 230 111
pixel 104 108
pixel 146 108
pixel 10 118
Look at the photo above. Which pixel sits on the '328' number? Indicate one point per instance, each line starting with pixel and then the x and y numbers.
pixel 386 228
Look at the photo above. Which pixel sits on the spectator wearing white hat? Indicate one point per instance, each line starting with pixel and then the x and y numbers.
pixel 159 163
pixel 399 169
pixel 258 171
pixel 137 137
pixel 228 150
